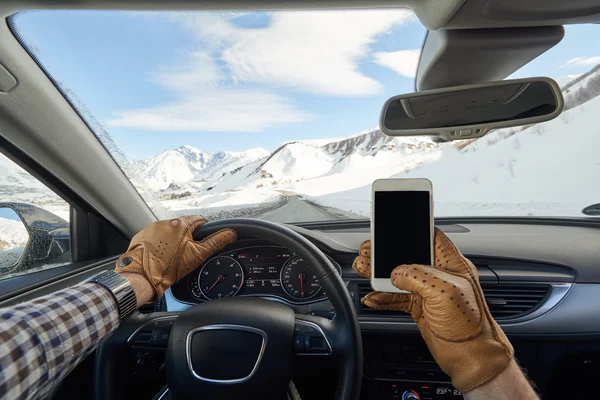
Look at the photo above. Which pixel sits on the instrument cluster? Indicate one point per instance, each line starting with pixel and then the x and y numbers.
pixel 265 271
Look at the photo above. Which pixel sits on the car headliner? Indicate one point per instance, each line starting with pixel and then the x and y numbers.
pixel 39 121
pixel 434 14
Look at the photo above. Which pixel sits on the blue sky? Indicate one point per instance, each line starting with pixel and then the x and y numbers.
pixel 233 81
pixel 9 213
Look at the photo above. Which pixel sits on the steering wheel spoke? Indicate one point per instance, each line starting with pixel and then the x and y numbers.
pixel 154 333
pixel 310 336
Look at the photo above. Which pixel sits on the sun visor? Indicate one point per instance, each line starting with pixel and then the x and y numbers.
pixel 467 56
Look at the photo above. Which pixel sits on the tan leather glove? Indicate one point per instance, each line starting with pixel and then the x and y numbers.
pixel 164 252
pixel 447 303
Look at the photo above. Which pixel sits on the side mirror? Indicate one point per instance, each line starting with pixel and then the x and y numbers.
pixel 471 111
pixel 13 240
pixel 41 237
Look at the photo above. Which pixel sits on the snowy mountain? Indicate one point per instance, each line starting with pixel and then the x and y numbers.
pixel 13 234
pixel 186 164
pixel 314 163
pixel 303 160
pixel 227 161
pixel 187 169
pixel 230 182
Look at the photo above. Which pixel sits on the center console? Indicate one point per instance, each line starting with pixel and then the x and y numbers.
pixel 413 390
pixel 404 370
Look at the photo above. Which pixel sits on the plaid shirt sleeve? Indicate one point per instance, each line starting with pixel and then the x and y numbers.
pixel 42 340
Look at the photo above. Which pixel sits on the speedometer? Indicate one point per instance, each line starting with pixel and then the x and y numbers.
pixel 220 277
pixel 298 279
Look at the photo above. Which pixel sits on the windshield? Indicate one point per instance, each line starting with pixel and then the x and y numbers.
pixel 274 114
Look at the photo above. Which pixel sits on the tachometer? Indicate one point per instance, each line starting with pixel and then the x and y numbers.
pixel 220 277
pixel 298 280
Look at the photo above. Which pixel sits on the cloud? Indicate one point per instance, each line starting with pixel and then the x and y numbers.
pixel 208 101
pixel 223 110
pixel 581 62
pixel 318 52
pixel 198 69
pixel 403 62
pixel 229 81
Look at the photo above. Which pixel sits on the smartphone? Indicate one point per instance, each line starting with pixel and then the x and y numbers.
pixel 401 228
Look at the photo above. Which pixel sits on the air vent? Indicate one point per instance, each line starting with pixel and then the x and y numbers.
pixel 506 301
pixel 363 289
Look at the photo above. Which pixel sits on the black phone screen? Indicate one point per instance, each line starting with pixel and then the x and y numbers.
pixel 402 230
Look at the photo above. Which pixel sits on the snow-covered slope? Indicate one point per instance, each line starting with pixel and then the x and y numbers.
pixel 172 173
pixel 13 234
pixel 227 161
pixel 300 161
pixel 582 89
pixel 187 163
pixel 296 160
pixel 328 166
pixel 311 167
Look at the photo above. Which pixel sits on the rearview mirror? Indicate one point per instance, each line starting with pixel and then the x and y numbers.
pixel 471 111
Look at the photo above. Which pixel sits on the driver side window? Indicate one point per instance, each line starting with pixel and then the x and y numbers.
pixel 34 223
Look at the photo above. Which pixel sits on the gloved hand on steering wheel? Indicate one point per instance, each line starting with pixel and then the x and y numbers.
pixel 448 305
pixel 164 251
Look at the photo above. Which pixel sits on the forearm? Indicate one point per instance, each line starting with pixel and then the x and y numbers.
pixel 43 339
pixel 510 384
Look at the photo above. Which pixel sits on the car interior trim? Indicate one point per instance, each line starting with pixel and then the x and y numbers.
pixel 30 286
pixel 557 294
pixel 562 320
pixel 163 394
pixel 175 304
pixel 559 291
pixel 447 55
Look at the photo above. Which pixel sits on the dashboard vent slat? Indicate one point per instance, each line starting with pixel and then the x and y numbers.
pixel 505 301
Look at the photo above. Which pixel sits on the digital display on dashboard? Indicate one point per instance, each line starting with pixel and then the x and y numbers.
pixel 262 266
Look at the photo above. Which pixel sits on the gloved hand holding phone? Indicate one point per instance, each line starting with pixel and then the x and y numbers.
pixel 447 303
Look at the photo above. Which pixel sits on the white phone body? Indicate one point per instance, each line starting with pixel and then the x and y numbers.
pixel 401 185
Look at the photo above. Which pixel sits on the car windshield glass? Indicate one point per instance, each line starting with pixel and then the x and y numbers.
pixel 274 115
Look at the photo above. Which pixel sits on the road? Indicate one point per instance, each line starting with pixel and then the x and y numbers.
pixel 298 210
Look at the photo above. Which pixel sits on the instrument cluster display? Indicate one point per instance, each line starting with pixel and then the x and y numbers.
pixel 256 271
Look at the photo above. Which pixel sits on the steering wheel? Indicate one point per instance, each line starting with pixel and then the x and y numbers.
pixel 243 347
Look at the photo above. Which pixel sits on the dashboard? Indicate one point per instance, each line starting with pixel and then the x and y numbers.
pixel 540 278
pixel 262 270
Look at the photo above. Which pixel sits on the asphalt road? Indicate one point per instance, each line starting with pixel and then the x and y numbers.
pixel 298 210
